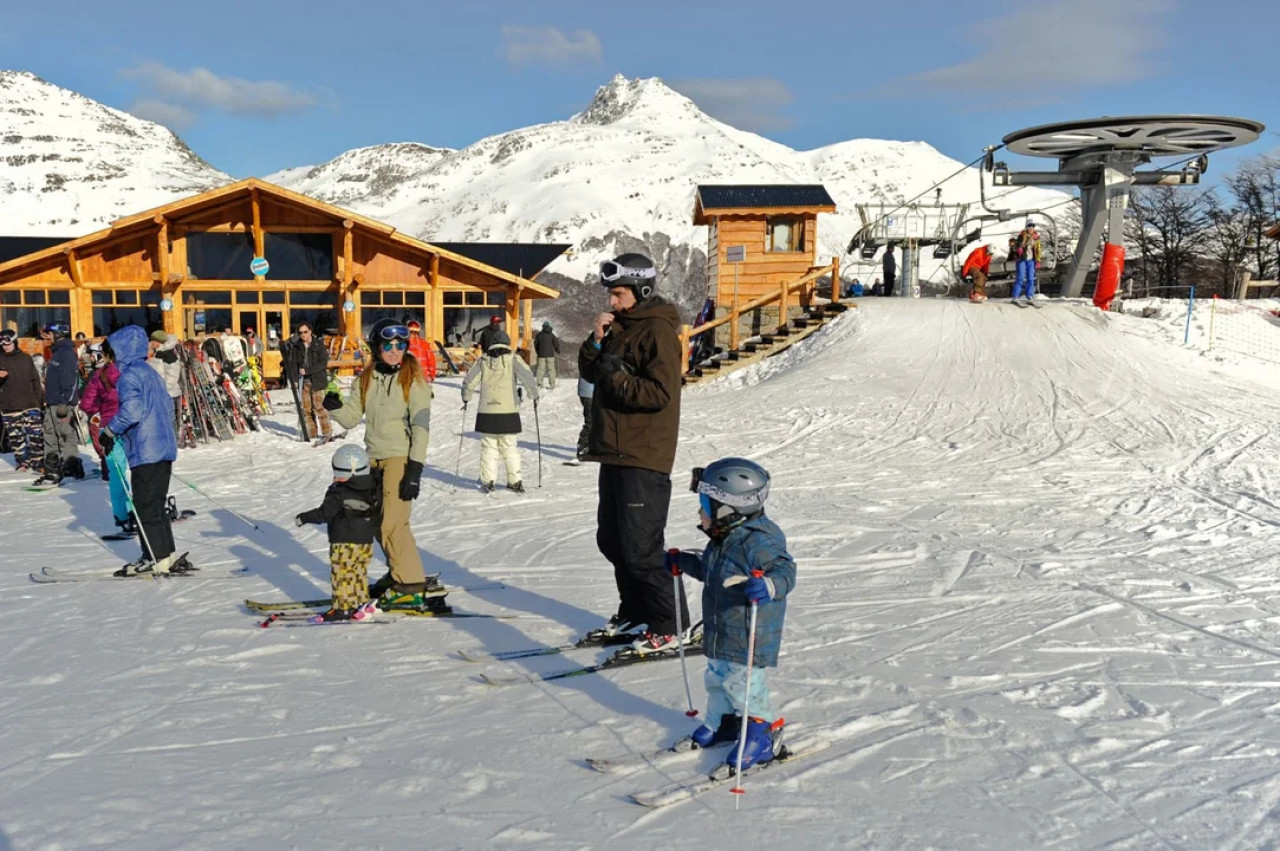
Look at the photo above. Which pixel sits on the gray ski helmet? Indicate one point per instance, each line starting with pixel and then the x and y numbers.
pixel 350 460
pixel 630 270
pixel 735 489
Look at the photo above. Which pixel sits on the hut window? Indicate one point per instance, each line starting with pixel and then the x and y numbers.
pixel 785 234
pixel 114 309
pixel 26 311
pixel 299 256
pixel 318 308
pixel 399 305
pixel 220 256
pixel 273 296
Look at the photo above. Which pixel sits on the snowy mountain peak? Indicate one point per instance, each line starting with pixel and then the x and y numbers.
pixel 360 173
pixel 70 165
pixel 644 99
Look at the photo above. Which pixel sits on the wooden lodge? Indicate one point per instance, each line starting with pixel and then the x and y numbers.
pixel 186 267
pixel 773 228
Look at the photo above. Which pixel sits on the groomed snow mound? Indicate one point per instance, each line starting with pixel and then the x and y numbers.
pixel 1036 608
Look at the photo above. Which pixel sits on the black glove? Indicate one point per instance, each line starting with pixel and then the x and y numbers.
pixel 411 484
pixel 107 441
pixel 332 401
pixel 608 363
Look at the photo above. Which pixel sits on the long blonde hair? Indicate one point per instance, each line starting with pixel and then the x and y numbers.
pixel 410 372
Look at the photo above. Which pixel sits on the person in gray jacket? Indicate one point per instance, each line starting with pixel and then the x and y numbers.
pixel 165 360
pixel 498 413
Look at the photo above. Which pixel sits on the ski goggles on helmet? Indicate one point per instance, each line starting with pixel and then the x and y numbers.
pixel 57 328
pixel 612 271
pixel 394 332
pixel 695 479
pixel 8 338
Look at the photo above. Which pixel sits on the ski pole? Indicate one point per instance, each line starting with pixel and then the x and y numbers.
pixel 746 689
pixel 673 562
pixel 462 433
pixel 215 502
pixel 538 430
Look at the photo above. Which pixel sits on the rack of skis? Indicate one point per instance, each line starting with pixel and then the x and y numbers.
pixel 216 405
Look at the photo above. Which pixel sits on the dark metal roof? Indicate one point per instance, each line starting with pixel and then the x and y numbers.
pixel 13 247
pixel 790 196
pixel 525 259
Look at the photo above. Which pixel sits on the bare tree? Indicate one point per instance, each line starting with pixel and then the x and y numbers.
pixel 1255 192
pixel 1173 230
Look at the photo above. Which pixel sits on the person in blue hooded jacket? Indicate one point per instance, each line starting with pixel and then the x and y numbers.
pixel 746 562
pixel 145 423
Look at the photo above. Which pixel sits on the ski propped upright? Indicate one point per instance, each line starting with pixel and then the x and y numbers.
pixel 674 793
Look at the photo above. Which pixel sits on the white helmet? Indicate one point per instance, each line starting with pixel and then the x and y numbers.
pixel 350 460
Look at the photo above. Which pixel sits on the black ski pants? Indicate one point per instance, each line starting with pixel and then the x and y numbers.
pixel 631 518
pixel 150 485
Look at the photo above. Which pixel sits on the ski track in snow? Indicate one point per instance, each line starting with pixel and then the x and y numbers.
pixel 1036 608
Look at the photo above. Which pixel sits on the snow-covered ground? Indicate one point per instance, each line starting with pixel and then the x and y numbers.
pixel 1036 608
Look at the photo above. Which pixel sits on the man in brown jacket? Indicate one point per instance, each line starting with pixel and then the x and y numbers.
pixel 633 358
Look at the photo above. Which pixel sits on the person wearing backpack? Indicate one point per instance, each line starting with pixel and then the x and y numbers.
pixel 498 413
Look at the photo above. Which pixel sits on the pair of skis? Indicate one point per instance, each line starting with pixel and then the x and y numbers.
pixel 48 575
pixel 297 613
pixel 622 658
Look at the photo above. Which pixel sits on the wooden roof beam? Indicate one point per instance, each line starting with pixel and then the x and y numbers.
pixel 73 266
pixel 259 246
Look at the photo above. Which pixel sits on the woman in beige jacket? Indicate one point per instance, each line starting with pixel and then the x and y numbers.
pixel 394 399
pixel 498 413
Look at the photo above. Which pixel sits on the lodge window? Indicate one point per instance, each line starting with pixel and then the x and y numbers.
pixel 292 256
pixel 219 256
pixel 467 313
pixel 318 308
pixel 784 234
pixel 27 311
pixel 114 309
pixel 400 305
pixel 206 311
pixel 299 256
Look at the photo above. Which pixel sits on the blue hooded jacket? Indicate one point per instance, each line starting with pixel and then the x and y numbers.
pixel 145 418
pixel 758 544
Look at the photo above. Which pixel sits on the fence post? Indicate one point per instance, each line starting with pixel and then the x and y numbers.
pixel 835 280
pixel 1243 292
pixel 1213 315
pixel 734 331
pixel 782 308
pixel 1191 303
pixel 684 349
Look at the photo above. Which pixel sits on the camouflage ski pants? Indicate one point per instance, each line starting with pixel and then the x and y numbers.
pixel 25 431
pixel 349 574
pixel 313 412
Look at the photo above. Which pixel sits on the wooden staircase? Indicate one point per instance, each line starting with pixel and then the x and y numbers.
pixel 752 350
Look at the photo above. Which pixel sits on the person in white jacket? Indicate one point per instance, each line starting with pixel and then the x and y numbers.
pixel 164 360
pixel 498 413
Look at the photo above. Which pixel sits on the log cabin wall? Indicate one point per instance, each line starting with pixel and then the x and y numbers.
pixel 762 270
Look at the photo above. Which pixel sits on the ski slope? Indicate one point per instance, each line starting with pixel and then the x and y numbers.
pixel 1036 608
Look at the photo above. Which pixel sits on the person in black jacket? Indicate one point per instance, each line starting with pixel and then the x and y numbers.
pixel 311 361
pixel 485 341
pixel 546 345
pixel 890 268
pixel 21 400
pixel 61 393
pixel 350 508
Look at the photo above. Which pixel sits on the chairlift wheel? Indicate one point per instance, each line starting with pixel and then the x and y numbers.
pixel 1144 135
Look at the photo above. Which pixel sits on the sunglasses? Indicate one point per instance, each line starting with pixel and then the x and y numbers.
pixel 611 271
pixel 399 345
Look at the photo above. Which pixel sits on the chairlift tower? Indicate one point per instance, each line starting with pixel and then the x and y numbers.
pixel 1101 157
pixel 910 227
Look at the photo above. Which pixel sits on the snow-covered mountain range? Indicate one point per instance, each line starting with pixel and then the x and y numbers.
pixel 620 175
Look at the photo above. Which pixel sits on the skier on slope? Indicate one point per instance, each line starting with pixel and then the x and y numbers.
pixel 350 508
pixel 731 497
pixel 101 402
pixel 546 345
pixel 498 375
pixel 394 399
pixel 1027 253
pixel 144 422
pixel 633 359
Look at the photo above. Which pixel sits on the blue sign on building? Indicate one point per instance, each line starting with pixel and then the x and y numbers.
pixel 259 266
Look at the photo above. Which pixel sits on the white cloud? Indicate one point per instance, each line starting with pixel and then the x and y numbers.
pixel 549 46
pixel 1040 52
pixel 171 116
pixel 201 89
pixel 750 103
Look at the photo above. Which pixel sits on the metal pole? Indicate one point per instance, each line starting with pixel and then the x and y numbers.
pixel 462 433
pixel 1191 303
pixel 234 514
pixel 746 697
pixel 673 562
pixel 538 427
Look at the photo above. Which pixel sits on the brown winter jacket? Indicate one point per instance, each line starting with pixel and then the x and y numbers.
pixel 635 419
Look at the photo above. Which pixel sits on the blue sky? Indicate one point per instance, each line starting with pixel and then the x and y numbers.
pixel 255 87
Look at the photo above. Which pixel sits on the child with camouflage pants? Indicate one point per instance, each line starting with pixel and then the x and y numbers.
pixel 350 509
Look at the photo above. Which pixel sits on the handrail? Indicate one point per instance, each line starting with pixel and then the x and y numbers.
pixel 805 282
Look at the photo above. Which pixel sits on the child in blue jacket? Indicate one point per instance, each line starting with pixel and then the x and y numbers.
pixel 732 494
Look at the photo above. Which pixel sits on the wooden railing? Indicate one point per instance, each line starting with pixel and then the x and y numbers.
pixel 804 286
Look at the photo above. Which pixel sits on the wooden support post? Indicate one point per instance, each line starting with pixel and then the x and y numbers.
pixel 528 326
pixel 1243 292
pixel 73 267
pixel 347 319
pixel 835 280
pixel 735 334
pixel 684 349
pixel 435 317
pixel 162 252
pixel 259 242
pixel 782 307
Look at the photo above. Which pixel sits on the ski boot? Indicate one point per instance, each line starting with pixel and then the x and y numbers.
pixel 334 615
pixel 139 567
pixel 655 642
pixel 181 565
pixel 516 487
pixel 414 601
pixel 618 630
pixel 728 731
pixel 487 487
pixel 761 744
pixel 51 476
pixel 73 468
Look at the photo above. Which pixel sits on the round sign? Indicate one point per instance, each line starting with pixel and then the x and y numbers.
pixel 259 266
pixel 166 305
pixel 349 306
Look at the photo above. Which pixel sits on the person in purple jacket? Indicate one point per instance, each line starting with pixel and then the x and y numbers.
pixel 102 401
pixel 144 422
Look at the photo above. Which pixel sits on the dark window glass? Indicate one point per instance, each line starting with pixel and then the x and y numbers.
pixel 36 297
pixel 391 299
pixel 29 320
pixel 10 297
pixel 273 296
pixel 107 320
pixel 369 316
pixel 126 296
pixel 327 298
pixel 371 297
pixel 300 256
pixel 462 325
pixel 103 297
pixel 323 320
pixel 220 297
pixel 248 296
pixel 497 298
pixel 475 298
pixel 416 297
pixel 219 256
pixel 202 320
pixel 453 297
pixel 59 297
